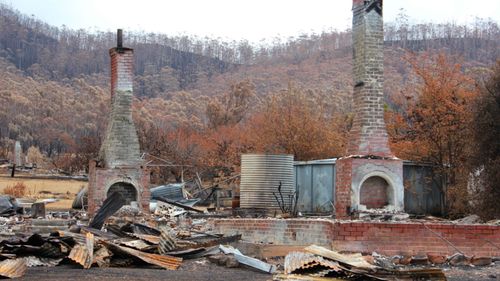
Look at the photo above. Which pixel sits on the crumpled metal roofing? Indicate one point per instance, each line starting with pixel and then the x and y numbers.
pixel 171 191
pixel 136 244
pixel 164 261
pixel 83 254
pixel 13 268
pixel 103 257
pixel 167 243
pixel 153 239
pixel 295 261
pixel 112 204
pixel 33 261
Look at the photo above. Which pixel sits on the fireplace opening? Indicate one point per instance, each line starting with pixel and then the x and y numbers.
pixel 375 193
pixel 126 189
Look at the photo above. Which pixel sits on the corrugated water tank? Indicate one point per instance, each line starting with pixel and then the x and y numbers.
pixel 261 175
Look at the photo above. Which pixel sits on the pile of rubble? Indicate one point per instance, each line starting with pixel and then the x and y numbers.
pixel 318 263
pixel 118 236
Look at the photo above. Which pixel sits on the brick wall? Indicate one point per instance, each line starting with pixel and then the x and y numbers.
pixel 415 238
pixel 367 237
pixel 278 231
pixel 343 182
pixel 373 193
pixel 352 173
pixel 101 179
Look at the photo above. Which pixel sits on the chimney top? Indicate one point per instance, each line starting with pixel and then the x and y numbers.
pixel 119 38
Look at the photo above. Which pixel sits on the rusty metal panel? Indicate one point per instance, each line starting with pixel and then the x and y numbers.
pixel 13 268
pixel 296 261
pixel 261 174
pixel 153 239
pixel 83 254
pixel 315 184
pixel 167 243
pixel 164 261
pixel 423 189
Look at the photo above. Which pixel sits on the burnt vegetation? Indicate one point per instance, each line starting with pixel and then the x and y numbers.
pixel 201 102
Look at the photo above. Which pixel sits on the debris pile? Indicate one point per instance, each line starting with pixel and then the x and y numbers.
pixel 114 241
pixel 319 263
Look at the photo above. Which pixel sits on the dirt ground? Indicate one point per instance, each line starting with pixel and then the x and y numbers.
pixel 202 270
pixel 468 273
pixel 190 270
pixel 62 189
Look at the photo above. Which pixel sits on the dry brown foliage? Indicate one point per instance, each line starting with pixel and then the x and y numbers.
pixel 19 189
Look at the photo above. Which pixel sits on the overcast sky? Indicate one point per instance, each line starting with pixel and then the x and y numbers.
pixel 238 19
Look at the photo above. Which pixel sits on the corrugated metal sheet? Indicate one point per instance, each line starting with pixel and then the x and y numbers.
pixel 112 204
pixel 164 261
pixel 13 268
pixel 153 239
pixel 167 243
pixel 103 257
pixel 261 175
pixel 171 191
pixel 83 254
pixel 33 261
pixel 296 261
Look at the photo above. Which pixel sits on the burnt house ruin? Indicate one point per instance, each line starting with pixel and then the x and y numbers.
pixel 119 167
pixel 370 176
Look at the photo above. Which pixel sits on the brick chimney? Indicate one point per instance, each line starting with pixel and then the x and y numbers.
pixel 368 135
pixel 121 144
pixel 370 177
pixel 120 168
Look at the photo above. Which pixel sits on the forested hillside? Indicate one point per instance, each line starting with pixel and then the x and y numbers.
pixel 201 102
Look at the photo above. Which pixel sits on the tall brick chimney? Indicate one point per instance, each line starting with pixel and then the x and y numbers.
pixel 119 167
pixel 121 144
pixel 368 135
pixel 370 176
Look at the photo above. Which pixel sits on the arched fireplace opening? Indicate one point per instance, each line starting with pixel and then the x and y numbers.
pixel 126 189
pixel 375 193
